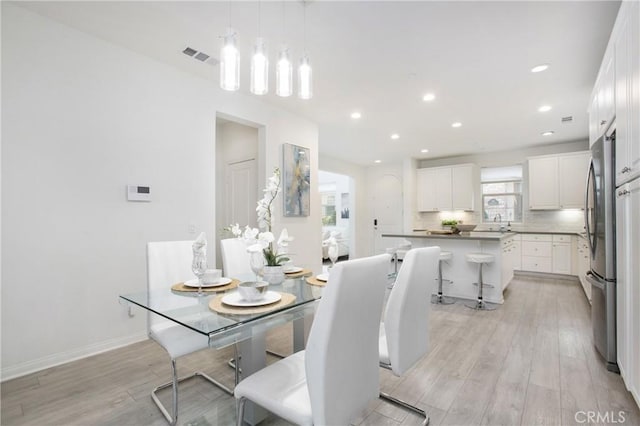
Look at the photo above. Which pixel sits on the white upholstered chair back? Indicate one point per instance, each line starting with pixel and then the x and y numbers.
pixel 406 320
pixel 168 262
pixel 235 259
pixel 342 351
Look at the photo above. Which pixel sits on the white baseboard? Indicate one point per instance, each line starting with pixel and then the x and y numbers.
pixel 49 361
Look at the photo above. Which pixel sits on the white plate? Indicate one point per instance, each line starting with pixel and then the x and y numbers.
pixel 322 277
pixel 194 283
pixel 234 299
pixel 293 270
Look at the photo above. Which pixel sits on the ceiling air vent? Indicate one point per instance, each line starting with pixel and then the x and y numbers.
pixel 200 56
pixel 567 119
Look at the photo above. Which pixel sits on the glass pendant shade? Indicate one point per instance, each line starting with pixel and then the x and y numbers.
pixel 305 79
pixel 259 69
pixel 229 63
pixel 284 74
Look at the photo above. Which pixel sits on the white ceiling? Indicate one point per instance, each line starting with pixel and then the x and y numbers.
pixel 381 57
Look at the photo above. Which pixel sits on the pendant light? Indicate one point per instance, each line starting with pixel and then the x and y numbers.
pixel 259 65
pixel 284 69
pixel 284 74
pixel 305 73
pixel 229 60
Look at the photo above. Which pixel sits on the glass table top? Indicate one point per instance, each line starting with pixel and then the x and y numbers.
pixel 192 311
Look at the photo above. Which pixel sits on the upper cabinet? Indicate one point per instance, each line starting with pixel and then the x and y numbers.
pixel 602 107
pixel 558 181
pixel 627 95
pixel 446 188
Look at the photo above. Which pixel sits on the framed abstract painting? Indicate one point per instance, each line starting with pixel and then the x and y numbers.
pixel 296 180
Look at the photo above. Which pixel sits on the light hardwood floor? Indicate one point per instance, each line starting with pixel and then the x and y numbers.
pixel 531 362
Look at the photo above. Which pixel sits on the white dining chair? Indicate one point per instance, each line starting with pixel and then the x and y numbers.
pixel 404 334
pixel 236 261
pixel 336 376
pixel 169 262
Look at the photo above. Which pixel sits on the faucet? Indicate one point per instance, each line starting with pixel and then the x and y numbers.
pixel 495 219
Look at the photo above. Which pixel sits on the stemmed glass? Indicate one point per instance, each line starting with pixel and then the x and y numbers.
pixel 333 253
pixel 257 263
pixel 199 267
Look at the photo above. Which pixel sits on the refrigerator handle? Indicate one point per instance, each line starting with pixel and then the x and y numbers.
pixel 590 234
pixel 593 280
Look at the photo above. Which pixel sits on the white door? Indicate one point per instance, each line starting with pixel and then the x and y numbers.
pixel 241 193
pixel 387 210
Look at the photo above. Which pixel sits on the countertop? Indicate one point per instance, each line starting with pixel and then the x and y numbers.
pixel 481 235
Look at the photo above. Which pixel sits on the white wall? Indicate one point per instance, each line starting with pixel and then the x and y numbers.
pixel 82 118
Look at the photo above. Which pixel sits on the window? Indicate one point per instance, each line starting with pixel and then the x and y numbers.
pixel 328 203
pixel 502 194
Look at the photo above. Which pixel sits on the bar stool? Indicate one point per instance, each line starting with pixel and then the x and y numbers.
pixel 481 259
pixel 439 299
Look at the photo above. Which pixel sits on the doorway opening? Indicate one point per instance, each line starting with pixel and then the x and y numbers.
pixel 237 176
pixel 337 213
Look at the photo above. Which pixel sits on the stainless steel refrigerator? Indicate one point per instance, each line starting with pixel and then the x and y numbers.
pixel 600 225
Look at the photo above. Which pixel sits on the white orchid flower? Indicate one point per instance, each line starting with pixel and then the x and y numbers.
pixel 266 238
pixel 250 233
pixel 235 230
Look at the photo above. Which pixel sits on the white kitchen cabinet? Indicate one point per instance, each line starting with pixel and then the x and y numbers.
pixel 558 181
pixel 561 254
pixel 627 98
pixel 543 183
pixel 572 173
pixel 508 260
pixel 628 284
pixel 537 252
pixel 602 105
pixel 462 187
pixel 583 265
pixel 517 252
pixel 446 188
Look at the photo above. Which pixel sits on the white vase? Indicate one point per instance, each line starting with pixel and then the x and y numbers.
pixel 273 274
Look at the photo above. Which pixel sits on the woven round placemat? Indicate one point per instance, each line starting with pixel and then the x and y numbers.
pixel 315 281
pixel 181 287
pixel 216 305
pixel 302 273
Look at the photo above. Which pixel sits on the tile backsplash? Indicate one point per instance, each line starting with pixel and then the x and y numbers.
pixel 534 220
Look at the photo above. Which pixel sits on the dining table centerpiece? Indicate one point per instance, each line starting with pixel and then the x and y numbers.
pixel 267 254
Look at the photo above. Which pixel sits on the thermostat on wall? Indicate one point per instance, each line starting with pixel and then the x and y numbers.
pixel 138 193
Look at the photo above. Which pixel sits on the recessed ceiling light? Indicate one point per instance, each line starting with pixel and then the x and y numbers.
pixel 456 124
pixel 540 68
pixel 395 136
pixel 378 161
pixel 544 108
pixel 355 115
pixel 548 133
pixel 424 151
pixel 428 97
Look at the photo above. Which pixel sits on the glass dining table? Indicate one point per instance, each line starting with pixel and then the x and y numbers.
pixel 245 330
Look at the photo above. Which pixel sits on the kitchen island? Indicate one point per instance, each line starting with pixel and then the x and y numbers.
pixel 462 273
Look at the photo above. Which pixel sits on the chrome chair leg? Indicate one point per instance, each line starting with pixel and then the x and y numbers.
pixel 401 403
pixel 406 406
pixel 173 420
pixel 480 304
pixel 240 411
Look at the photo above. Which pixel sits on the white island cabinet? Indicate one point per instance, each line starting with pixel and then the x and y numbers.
pixel 463 273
